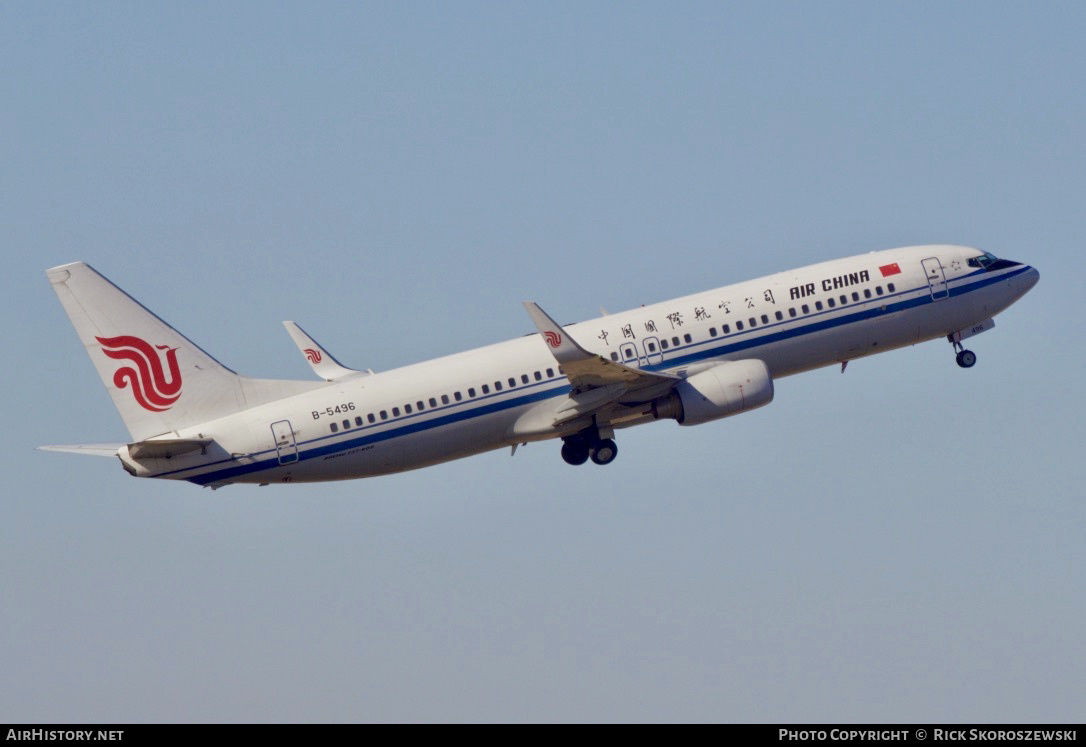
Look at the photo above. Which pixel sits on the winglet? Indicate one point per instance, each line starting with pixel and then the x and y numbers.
pixel 564 348
pixel 322 362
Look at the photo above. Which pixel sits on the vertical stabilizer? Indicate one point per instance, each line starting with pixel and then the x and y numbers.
pixel 159 380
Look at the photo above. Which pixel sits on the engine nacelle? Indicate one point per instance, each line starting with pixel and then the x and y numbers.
pixel 725 389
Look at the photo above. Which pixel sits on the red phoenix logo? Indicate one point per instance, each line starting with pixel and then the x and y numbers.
pixel 553 338
pixel 147 375
pixel 313 356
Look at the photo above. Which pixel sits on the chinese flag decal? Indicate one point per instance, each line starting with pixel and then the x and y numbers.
pixel 888 270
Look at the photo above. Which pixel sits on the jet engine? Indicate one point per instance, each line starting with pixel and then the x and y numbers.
pixel 724 389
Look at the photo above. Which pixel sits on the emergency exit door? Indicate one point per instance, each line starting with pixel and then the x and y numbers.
pixel 936 279
pixel 284 441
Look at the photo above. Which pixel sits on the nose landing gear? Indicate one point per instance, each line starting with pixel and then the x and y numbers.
pixel 965 358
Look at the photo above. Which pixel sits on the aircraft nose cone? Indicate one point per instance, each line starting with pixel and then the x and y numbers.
pixel 1030 278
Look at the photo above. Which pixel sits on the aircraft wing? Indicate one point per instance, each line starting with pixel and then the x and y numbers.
pixel 597 382
pixel 321 361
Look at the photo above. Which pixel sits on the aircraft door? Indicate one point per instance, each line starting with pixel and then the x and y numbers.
pixel 936 279
pixel 627 354
pixel 284 441
pixel 653 353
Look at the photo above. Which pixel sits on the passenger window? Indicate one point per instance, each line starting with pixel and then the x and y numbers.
pixel 538 376
pixel 629 353
pixel 471 391
pixel 550 373
pixel 806 309
pixel 712 331
pixel 458 396
pixel 395 412
pixel 831 302
pixel 738 326
pixel 890 287
pixel 371 417
pixel 792 313
pixel 420 406
pixel 334 427
pixel 407 409
pixel 688 338
pixel 675 341
pixel 614 356
pixel 524 378
pixel 818 305
pixel 358 420
pixel 346 425
pixel 765 319
pixel 497 386
pixel 867 293
pixel 844 300
pixel 779 316
pixel 663 344
pixel 753 322
pixel 855 296
pixel 384 414
pixel 486 389
pixel 652 347
pixel 878 290
pixel 726 329
pixel 512 383
pixel 444 399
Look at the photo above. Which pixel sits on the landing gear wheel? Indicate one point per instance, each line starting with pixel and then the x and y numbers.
pixel 966 358
pixel 575 452
pixel 604 452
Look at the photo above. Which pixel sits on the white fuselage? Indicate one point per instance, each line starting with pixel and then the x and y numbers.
pixel 505 394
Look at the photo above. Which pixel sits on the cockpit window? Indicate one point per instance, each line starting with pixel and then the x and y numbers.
pixel 983 261
pixel 990 262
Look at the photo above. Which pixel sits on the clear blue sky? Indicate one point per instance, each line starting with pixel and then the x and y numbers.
pixel 902 542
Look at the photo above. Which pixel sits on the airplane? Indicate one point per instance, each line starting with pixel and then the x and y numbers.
pixel 694 359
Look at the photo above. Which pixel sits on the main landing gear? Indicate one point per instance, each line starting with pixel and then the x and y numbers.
pixel 965 358
pixel 588 444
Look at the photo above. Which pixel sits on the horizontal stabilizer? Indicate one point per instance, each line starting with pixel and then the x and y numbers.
pixel 319 359
pixel 165 448
pixel 107 450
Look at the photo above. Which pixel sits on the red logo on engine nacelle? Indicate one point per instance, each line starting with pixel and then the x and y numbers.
pixel 147 376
